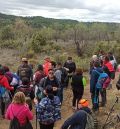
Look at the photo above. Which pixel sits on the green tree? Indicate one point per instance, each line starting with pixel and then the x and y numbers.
pixel 38 42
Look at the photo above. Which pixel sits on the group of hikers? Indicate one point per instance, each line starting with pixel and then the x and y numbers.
pixel 44 88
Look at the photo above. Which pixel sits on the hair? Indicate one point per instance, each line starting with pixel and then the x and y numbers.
pixel 111 57
pixel 25 81
pixel 107 58
pixel 19 98
pixel 6 69
pixel 59 63
pixel 53 63
pixel 49 91
pixel 40 67
pixel 97 64
pixel 79 71
pixel 50 70
pixel 2 71
pixel 69 58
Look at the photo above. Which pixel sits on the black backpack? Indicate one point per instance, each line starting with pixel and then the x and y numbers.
pixel 14 123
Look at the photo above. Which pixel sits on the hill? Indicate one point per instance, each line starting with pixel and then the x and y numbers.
pixel 35 22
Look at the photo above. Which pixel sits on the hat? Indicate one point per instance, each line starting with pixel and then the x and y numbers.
pixel 84 102
pixel 24 59
pixel 94 57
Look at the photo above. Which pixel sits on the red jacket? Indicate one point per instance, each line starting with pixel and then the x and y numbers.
pixel 21 111
pixel 46 67
pixel 4 82
pixel 109 66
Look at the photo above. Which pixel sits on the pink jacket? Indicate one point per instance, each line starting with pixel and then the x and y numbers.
pixel 20 111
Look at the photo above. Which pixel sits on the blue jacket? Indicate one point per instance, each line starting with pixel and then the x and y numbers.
pixel 48 111
pixel 94 78
pixel 76 121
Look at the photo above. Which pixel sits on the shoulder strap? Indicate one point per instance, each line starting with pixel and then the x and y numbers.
pixel 15 115
pixel 97 72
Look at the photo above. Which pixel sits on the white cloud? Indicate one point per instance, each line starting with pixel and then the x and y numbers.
pixel 82 10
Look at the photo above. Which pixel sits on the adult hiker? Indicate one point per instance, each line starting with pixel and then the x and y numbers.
pixel 50 80
pixel 71 66
pixel 109 69
pixel 48 110
pixel 46 65
pixel 19 110
pixel 61 75
pixel 4 91
pixel 78 83
pixel 83 118
pixel 24 70
pixel 38 75
pixel 27 89
pixel 93 81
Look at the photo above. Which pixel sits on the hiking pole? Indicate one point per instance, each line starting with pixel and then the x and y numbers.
pixel 110 112
pixel 36 118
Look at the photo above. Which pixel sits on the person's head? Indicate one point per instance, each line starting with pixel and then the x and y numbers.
pixel 40 67
pixel 59 65
pixel 111 57
pixel 79 71
pixel 19 98
pixel 47 59
pixel 69 59
pixel 94 57
pixel 106 59
pixel 24 61
pixel 83 103
pixel 96 64
pixel 6 69
pixel 25 81
pixel 53 64
pixel 51 73
pixel 2 71
pixel 49 91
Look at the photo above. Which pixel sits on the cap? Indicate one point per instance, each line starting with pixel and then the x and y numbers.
pixel 24 59
pixel 84 102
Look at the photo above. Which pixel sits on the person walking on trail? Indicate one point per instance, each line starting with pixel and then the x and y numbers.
pixel 20 110
pixel 27 89
pixel 48 110
pixel 5 89
pixel 50 80
pixel 109 69
pixel 47 65
pixel 78 83
pixel 71 66
pixel 61 75
pixel 93 81
pixel 83 118
pixel 24 70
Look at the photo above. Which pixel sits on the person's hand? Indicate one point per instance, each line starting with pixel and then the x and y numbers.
pixel 35 101
pixel 55 88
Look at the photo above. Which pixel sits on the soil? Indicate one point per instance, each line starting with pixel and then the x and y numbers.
pixel 67 103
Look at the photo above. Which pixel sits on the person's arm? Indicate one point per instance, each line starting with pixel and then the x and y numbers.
pixel 92 81
pixel 7 114
pixel 29 114
pixel 6 84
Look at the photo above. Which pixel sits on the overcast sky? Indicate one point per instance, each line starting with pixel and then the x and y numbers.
pixel 81 10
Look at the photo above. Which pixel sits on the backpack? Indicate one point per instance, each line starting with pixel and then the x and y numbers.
pixel 48 111
pixel 91 121
pixel 103 80
pixel 24 71
pixel 15 124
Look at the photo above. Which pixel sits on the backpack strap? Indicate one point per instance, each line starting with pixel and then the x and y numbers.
pixel 97 72
pixel 15 115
